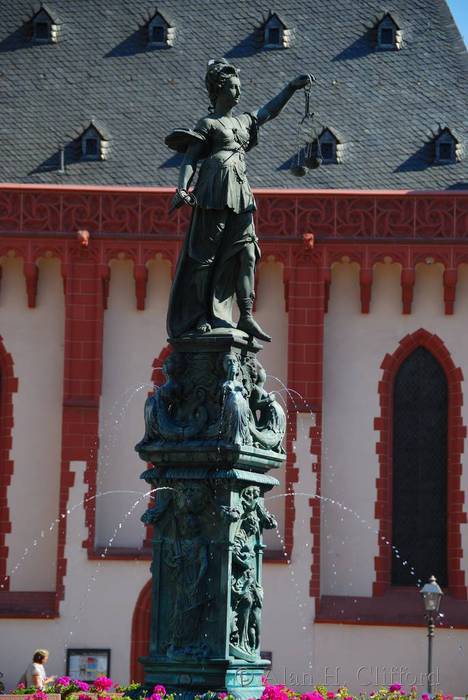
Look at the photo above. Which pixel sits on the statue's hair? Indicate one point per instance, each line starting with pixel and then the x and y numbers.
pixel 217 73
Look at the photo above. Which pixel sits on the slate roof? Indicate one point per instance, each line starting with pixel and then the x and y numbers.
pixel 383 104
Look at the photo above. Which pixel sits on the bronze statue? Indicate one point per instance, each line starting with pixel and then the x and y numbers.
pixel 217 262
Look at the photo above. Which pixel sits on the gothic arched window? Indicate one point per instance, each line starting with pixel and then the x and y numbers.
pixel 419 504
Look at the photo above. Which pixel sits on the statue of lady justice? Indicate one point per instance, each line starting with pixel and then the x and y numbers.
pixel 217 262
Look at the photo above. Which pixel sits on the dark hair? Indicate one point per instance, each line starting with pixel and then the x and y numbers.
pixel 218 72
pixel 39 657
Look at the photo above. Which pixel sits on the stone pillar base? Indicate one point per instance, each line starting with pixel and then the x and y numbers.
pixel 188 679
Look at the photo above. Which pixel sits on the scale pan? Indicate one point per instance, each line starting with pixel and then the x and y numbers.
pixel 313 163
pixel 298 170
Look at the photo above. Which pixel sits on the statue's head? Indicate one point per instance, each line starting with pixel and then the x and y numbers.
pixel 192 497
pixel 250 496
pixel 222 79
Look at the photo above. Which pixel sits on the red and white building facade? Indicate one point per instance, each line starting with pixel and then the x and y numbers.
pixel 350 284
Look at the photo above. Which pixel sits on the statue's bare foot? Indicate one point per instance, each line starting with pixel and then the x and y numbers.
pixel 203 326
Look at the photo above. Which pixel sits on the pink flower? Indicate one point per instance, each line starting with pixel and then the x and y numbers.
pixel 425 696
pixel 20 686
pixel 312 696
pixel 84 697
pixel 81 685
pixel 330 695
pixel 39 695
pixel 155 696
pixel 63 680
pixel 103 684
pixel 160 689
pixel 222 696
pixel 395 687
pixel 275 692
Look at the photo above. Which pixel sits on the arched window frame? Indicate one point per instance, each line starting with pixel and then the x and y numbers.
pixel 384 448
pixel 141 629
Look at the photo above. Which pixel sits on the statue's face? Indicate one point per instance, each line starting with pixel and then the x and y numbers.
pixel 192 498
pixel 231 90
pixel 250 495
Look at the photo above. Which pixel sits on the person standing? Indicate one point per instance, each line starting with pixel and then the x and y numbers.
pixel 35 675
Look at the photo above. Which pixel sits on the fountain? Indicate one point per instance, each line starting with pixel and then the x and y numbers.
pixel 212 431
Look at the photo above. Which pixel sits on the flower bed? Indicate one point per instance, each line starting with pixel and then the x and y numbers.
pixel 31 695
pixel 321 692
pixel 66 688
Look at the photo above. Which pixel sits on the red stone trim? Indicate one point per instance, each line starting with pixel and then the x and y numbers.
pixel 8 386
pixel 291 478
pixel 315 505
pixel 141 626
pixel 396 608
pixel 456 434
pixel 307 300
pixel 282 214
pixel 27 604
pixel 82 389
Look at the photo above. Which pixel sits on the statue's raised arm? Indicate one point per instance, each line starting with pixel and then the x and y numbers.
pixel 272 108
pixel 218 259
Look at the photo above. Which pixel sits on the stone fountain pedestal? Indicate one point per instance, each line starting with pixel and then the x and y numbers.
pixel 212 435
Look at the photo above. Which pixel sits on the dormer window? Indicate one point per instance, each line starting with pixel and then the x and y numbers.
pixel 41 31
pixel 93 144
pixel 44 28
pixel 329 147
pixel 275 33
pixel 160 32
pixel 273 36
pixel 326 149
pixel 388 34
pixel 446 148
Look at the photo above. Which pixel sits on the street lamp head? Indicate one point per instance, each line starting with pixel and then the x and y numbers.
pixel 432 594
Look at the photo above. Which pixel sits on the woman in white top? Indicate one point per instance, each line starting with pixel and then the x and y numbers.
pixel 35 675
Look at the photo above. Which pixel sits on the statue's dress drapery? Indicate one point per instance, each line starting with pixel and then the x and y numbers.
pixel 222 224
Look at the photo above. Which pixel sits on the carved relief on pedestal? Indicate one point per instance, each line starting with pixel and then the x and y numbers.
pixel 184 533
pixel 246 588
pixel 209 398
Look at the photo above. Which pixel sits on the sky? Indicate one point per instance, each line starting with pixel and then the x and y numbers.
pixel 459 9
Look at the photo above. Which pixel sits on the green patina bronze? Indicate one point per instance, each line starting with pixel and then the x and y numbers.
pixel 217 264
pixel 212 431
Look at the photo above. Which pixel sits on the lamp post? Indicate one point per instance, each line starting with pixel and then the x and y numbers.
pixel 432 595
